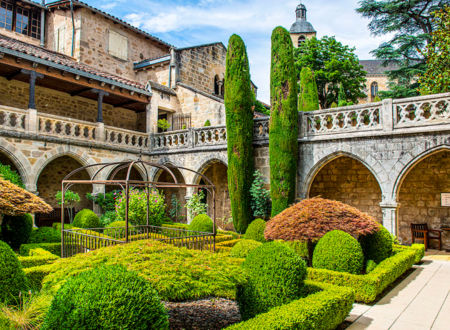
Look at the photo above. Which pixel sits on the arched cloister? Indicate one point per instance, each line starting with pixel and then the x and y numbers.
pixel 50 177
pixel 17 162
pixel 135 174
pixel 419 190
pixel 348 180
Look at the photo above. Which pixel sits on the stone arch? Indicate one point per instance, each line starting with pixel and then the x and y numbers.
pixel 347 178
pixel 418 192
pixel 19 161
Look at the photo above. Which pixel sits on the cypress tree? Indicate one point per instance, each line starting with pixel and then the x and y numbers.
pixel 283 126
pixel 309 96
pixel 239 119
pixel 342 99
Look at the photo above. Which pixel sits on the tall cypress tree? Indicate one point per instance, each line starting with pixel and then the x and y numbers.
pixel 342 99
pixel 309 96
pixel 239 117
pixel 283 126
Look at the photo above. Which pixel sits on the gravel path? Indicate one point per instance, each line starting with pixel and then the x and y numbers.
pixel 213 313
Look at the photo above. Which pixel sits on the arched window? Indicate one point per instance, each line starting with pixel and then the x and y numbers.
pixel 374 89
pixel 216 85
pixel 301 40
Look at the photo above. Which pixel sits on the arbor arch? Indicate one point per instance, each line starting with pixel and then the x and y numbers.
pixel 50 177
pixel 418 193
pixel 135 174
pixel 349 180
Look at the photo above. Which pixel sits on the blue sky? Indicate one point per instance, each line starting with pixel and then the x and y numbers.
pixel 188 22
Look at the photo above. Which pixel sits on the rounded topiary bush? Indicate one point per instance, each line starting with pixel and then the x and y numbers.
pixel 275 277
pixel 108 297
pixel 255 230
pixel 16 230
pixel 203 223
pixel 377 246
pixel 338 251
pixel 12 277
pixel 86 219
pixel 242 248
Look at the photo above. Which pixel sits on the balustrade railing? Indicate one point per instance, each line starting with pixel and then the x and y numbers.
pixel 261 129
pixel 207 136
pixel 126 138
pixel 422 111
pixel 12 118
pixel 66 127
pixel 170 140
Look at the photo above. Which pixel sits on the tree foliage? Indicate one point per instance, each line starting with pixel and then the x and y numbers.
pixel 260 197
pixel 437 77
pixel 10 175
pixel 309 96
pixel 411 24
pixel 239 103
pixel 333 64
pixel 283 125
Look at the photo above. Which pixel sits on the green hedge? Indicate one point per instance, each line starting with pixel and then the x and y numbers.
pixel 242 248
pixel 368 287
pixel 45 235
pixel 36 275
pixel 223 238
pixel 54 248
pixel 325 307
pixel 38 257
pixel 229 232
pixel 418 248
pixel 229 243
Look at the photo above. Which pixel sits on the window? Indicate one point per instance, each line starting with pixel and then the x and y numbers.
pixel 374 89
pixel 216 85
pixel 118 45
pixel 301 40
pixel 23 19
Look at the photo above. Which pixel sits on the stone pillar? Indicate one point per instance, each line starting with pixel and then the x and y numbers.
pixel 389 211
pixel 387 115
pixel 32 91
pixel 100 132
pixel 32 188
pixel 189 192
pixel 32 123
pixel 152 115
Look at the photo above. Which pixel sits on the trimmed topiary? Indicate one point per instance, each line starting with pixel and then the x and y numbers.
pixel 377 246
pixel 202 223
pixel 45 235
pixel 338 251
pixel 12 277
pixel 16 230
pixel 255 230
pixel 108 297
pixel 86 219
pixel 299 247
pixel 370 265
pixel 309 97
pixel 239 102
pixel 242 248
pixel 275 277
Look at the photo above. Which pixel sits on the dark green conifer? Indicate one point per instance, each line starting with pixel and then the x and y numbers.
pixel 309 97
pixel 239 118
pixel 342 99
pixel 283 127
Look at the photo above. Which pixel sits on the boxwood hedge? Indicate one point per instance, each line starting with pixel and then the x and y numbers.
pixel 38 257
pixel 325 307
pixel 54 248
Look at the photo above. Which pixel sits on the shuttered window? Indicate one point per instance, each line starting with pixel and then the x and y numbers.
pixel 118 45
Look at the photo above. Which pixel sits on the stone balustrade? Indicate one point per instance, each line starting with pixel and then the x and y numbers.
pixel 66 127
pixel 12 118
pixel 170 140
pixel 209 136
pixel 126 138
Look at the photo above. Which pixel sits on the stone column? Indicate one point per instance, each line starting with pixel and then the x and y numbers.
pixel 387 115
pixel 152 114
pixel 32 188
pixel 189 192
pixel 32 123
pixel 389 210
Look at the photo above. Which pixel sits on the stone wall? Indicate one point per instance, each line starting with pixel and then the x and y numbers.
pixel 381 80
pixel 15 93
pixel 217 173
pixel 19 36
pixel 420 196
pixel 199 65
pixel 347 180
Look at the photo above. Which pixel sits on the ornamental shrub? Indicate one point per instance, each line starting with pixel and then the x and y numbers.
pixel 45 235
pixel 16 230
pixel 283 125
pixel 137 213
pixel 203 223
pixel 12 277
pixel 10 175
pixel 309 96
pixel 107 218
pixel 370 265
pixel 86 219
pixel 239 102
pixel 275 277
pixel 255 230
pixel 107 298
pixel 338 251
pixel 377 246
pixel 242 248
pixel 260 201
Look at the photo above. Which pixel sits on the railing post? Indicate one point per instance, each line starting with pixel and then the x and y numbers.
pixel 387 115
pixel 301 125
pixel 32 123
pixel 100 132
pixel 192 134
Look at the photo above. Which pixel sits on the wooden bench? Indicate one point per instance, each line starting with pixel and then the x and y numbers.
pixel 420 231
pixel 47 220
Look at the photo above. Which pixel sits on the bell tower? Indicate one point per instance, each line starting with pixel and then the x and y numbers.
pixel 301 29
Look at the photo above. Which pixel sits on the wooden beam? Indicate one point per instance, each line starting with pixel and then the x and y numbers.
pixel 13 75
pixel 78 92
pixel 123 104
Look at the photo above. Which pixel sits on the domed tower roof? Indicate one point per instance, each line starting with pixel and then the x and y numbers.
pixel 301 25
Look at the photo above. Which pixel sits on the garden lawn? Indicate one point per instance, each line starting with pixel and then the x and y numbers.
pixel 177 274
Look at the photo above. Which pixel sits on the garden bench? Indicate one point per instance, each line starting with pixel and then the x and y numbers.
pixel 420 231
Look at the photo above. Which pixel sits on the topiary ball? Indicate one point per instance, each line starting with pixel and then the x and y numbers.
pixel 86 219
pixel 12 276
pixel 108 297
pixel 338 251
pixel 203 223
pixel 377 246
pixel 242 248
pixel 255 230
pixel 16 230
pixel 275 277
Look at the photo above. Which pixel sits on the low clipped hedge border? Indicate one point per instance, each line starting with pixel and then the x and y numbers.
pixel 38 257
pixel 368 287
pixel 36 275
pixel 325 307
pixel 54 248
pixel 418 248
